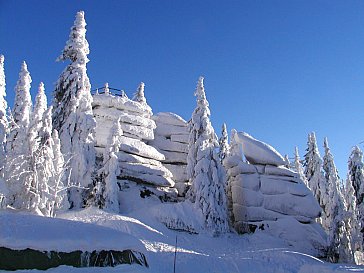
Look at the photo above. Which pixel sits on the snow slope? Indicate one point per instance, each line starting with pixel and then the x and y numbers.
pixel 258 252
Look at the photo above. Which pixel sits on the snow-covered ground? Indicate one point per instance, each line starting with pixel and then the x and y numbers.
pixel 258 252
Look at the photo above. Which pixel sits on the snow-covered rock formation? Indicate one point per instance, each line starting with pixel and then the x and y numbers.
pixel 265 194
pixel 139 162
pixel 171 139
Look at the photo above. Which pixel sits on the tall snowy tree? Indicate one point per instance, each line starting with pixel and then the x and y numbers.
pixel 204 170
pixel 50 168
pixel 298 167
pixel 356 177
pixel 20 112
pixel 313 171
pixel 16 161
pixel 352 225
pixel 223 144
pixel 111 168
pixel 31 191
pixel 335 218
pixel 72 115
pixel 3 119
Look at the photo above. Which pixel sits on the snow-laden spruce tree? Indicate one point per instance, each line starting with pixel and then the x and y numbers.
pixel 20 112
pixel 110 168
pixel 72 115
pixel 223 144
pixel 335 220
pixel 33 185
pixel 50 168
pixel 313 171
pixel 139 94
pixel 356 177
pixel 3 118
pixel 298 166
pixel 206 175
pixel 352 225
pixel 59 183
pixel 16 145
pixel 140 98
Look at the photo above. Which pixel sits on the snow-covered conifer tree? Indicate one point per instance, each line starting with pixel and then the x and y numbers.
pixel 60 180
pixel 298 167
pixel 72 115
pixel 111 168
pixel 356 177
pixel 313 170
pixel 223 144
pixel 335 218
pixel 16 146
pixel 106 89
pixel 139 94
pixel 352 225
pixel 356 173
pixel 20 112
pixel 288 163
pixel 3 119
pixel 205 172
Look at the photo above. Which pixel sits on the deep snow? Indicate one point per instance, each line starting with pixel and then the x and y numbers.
pixel 259 252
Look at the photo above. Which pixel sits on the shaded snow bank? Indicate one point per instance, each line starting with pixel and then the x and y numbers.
pixel 21 231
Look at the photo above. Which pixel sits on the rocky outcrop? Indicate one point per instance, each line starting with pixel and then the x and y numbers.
pixel 171 139
pixel 139 162
pixel 268 196
pixel 13 259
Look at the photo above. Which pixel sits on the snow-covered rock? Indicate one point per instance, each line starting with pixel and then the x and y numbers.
pixel 262 194
pixel 169 118
pixel 171 139
pixel 258 152
pixel 138 161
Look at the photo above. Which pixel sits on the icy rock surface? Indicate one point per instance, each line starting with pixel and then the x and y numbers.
pixel 138 161
pixel 258 152
pixel 171 139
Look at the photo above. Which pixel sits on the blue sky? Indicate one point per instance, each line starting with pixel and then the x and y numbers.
pixel 275 69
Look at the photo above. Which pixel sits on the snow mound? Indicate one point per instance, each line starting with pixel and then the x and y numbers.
pixel 169 118
pixel 180 216
pixel 258 152
pixel 20 231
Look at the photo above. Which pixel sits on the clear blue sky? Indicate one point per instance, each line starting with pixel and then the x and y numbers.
pixel 275 69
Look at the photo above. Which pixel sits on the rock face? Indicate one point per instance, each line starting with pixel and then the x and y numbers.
pixel 139 162
pixel 171 139
pixel 11 259
pixel 268 196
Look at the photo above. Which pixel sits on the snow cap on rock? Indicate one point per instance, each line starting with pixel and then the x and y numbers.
pixel 258 152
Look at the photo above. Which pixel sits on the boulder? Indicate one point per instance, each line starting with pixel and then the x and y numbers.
pixel 258 152
pixel 169 118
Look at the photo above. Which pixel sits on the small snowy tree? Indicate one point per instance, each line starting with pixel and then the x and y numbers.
pixel 72 115
pixel 3 119
pixel 298 167
pixel 313 171
pixel 287 162
pixel 205 172
pixel 139 94
pixel 223 144
pixel 335 220
pixel 106 89
pixel 110 168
